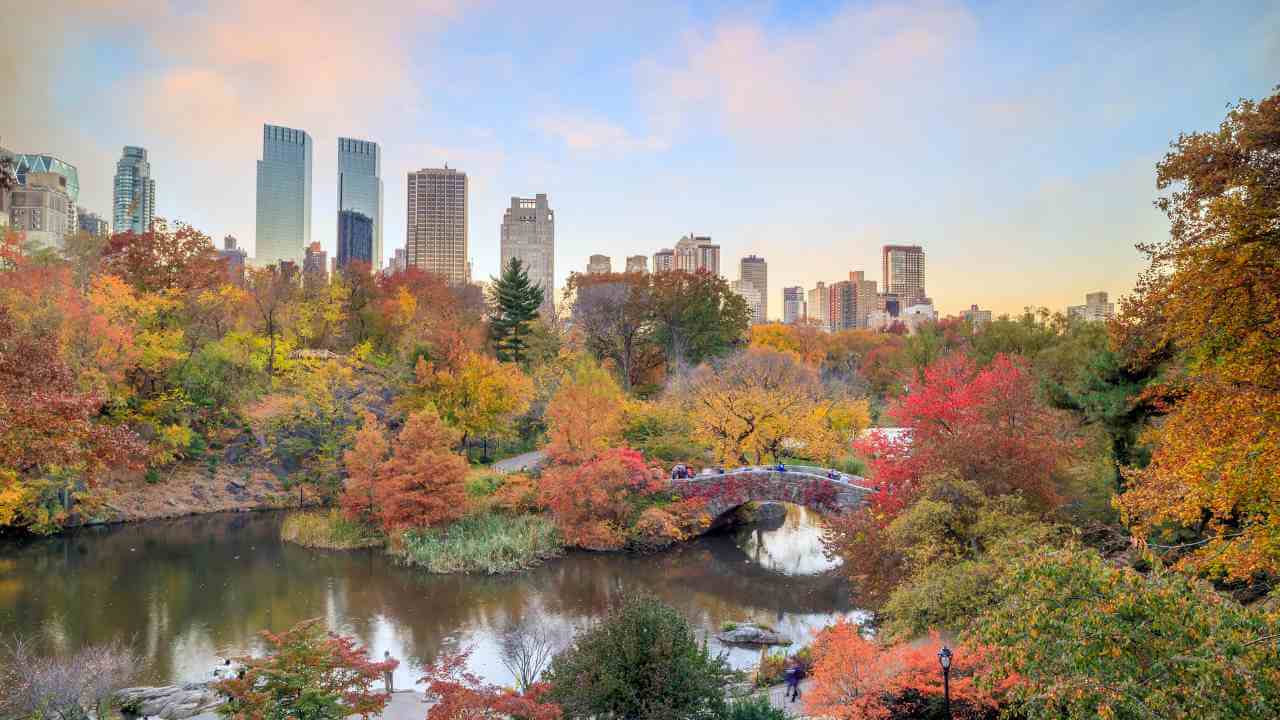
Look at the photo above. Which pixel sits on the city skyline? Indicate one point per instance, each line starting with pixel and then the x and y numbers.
pixel 1046 158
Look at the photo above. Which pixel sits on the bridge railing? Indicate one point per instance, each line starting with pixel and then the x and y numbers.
pixel 813 471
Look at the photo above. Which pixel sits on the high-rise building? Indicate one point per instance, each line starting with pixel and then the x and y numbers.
pixel 793 305
pixel 25 164
pixel 315 264
pixel 90 222
pixel 637 264
pixel 133 195
pixel 976 316
pixel 754 298
pixel 1096 308
pixel 399 261
pixel 360 191
pixel 235 258
pixel 694 253
pixel 903 273
pixel 664 260
pixel 529 233
pixel 436 229
pixel 39 209
pixel 852 302
pixel 820 305
pixel 284 195
pixel 356 239
pixel 755 270
pixel 599 265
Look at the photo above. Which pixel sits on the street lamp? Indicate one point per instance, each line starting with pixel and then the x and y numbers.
pixel 944 659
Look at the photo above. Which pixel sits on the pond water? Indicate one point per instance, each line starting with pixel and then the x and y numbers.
pixel 188 592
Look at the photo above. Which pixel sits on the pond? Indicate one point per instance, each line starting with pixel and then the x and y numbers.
pixel 190 591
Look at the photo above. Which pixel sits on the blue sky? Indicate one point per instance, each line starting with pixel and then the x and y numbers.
pixel 1015 143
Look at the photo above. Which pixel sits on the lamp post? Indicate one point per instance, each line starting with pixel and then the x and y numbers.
pixel 944 659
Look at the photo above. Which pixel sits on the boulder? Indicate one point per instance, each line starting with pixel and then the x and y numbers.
pixel 748 634
pixel 171 702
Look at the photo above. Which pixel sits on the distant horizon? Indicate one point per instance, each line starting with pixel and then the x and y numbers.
pixel 1016 145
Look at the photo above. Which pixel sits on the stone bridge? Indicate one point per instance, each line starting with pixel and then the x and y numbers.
pixel 817 488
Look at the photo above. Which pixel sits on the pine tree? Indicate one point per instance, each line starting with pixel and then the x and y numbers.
pixel 516 302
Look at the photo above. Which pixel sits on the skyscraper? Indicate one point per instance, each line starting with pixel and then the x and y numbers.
pixel 1097 307
pixel 356 239
pixel 436 227
pixel 399 261
pixel 599 265
pixel 697 252
pixel 903 273
pixel 793 305
pixel 284 195
pixel 664 260
pixel 755 270
pixel 133 197
pixel 529 233
pixel 315 264
pixel 853 301
pixel 360 191
pixel 637 264
pixel 820 305
pixel 753 297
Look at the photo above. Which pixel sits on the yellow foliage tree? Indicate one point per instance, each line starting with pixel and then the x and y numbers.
pixel 481 398
pixel 585 415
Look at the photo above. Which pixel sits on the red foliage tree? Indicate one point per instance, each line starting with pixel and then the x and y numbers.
pixel 358 500
pixel 160 259
pixel 424 481
pixel 593 503
pixel 856 679
pixel 306 673
pixel 460 695
pixel 986 425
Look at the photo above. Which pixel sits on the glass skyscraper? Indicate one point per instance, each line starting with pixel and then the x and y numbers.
pixel 284 196
pixel 133 198
pixel 360 191
pixel 355 238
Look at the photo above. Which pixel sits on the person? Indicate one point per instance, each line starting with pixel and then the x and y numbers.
pixel 781 467
pixel 793 675
pixel 388 675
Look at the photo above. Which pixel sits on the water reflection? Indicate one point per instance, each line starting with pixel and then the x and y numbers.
pixel 191 591
pixel 791 547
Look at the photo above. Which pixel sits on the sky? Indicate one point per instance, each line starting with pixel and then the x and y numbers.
pixel 1015 141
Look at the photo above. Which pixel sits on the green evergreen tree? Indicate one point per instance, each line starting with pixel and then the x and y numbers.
pixel 515 306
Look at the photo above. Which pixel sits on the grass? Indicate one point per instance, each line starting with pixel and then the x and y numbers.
pixel 329 531
pixel 486 543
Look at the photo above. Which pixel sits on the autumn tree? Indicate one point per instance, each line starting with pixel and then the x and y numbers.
pixel 359 499
pixel 584 416
pixel 457 694
pixel 423 482
pixel 163 259
pixel 696 317
pixel 514 302
pixel 271 290
pixel 309 674
pixel 1212 294
pixel 481 398
pixel 596 502
pixel 614 311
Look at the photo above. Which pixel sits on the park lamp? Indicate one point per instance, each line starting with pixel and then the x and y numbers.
pixel 944 658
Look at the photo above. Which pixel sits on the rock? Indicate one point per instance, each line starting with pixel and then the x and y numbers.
pixel 771 512
pixel 749 634
pixel 171 702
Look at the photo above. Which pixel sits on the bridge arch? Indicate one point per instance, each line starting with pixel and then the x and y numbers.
pixel 816 488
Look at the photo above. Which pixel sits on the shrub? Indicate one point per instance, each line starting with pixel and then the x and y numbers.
pixel 641 662
pixel 330 531
pixel 483 485
pixel 71 686
pixel 753 708
pixel 482 543
pixel 306 674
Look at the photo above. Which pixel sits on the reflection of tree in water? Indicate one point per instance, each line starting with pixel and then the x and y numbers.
pixel 188 590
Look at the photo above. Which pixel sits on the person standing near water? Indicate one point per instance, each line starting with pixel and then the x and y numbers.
pixel 388 675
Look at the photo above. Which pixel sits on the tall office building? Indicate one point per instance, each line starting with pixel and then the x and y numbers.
pixel 696 252
pixel 853 301
pixel 664 260
pixel 820 305
pixel 25 164
pixel 90 222
pixel 903 273
pixel 793 305
pixel 356 239
pixel 754 298
pixel 39 209
pixel 1096 308
pixel 360 191
pixel 599 265
pixel 284 195
pixel 755 270
pixel 637 264
pixel 133 195
pixel 399 261
pixel 436 228
pixel 529 233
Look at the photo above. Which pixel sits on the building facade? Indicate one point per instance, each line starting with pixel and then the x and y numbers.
pixel 436 227
pixel 26 164
pixel 599 265
pixel 133 192
pixel 902 272
pixel 356 239
pixel 754 298
pixel 852 302
pixel 976 316
pixel 399 261
pixel 39 209
pixel 637 264
pixel 360 190
pixel 89 222
pixel 820 306
pixel 1096 308
pixel 755 270
pixel 794 308
pixel 284 196
pixel 529 233
pixel 234 257
pixel 315 264
pixel 664 260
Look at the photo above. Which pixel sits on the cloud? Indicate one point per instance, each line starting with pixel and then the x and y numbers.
pixel 821 78
pixel 590 134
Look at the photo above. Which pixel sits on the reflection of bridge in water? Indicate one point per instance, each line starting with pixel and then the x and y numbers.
pixel 817 488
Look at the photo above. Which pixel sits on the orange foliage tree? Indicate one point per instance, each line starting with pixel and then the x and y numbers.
pixel 595 503
pixel 459 695
pixel 856 679
pixel 362 460
pixel 584 417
